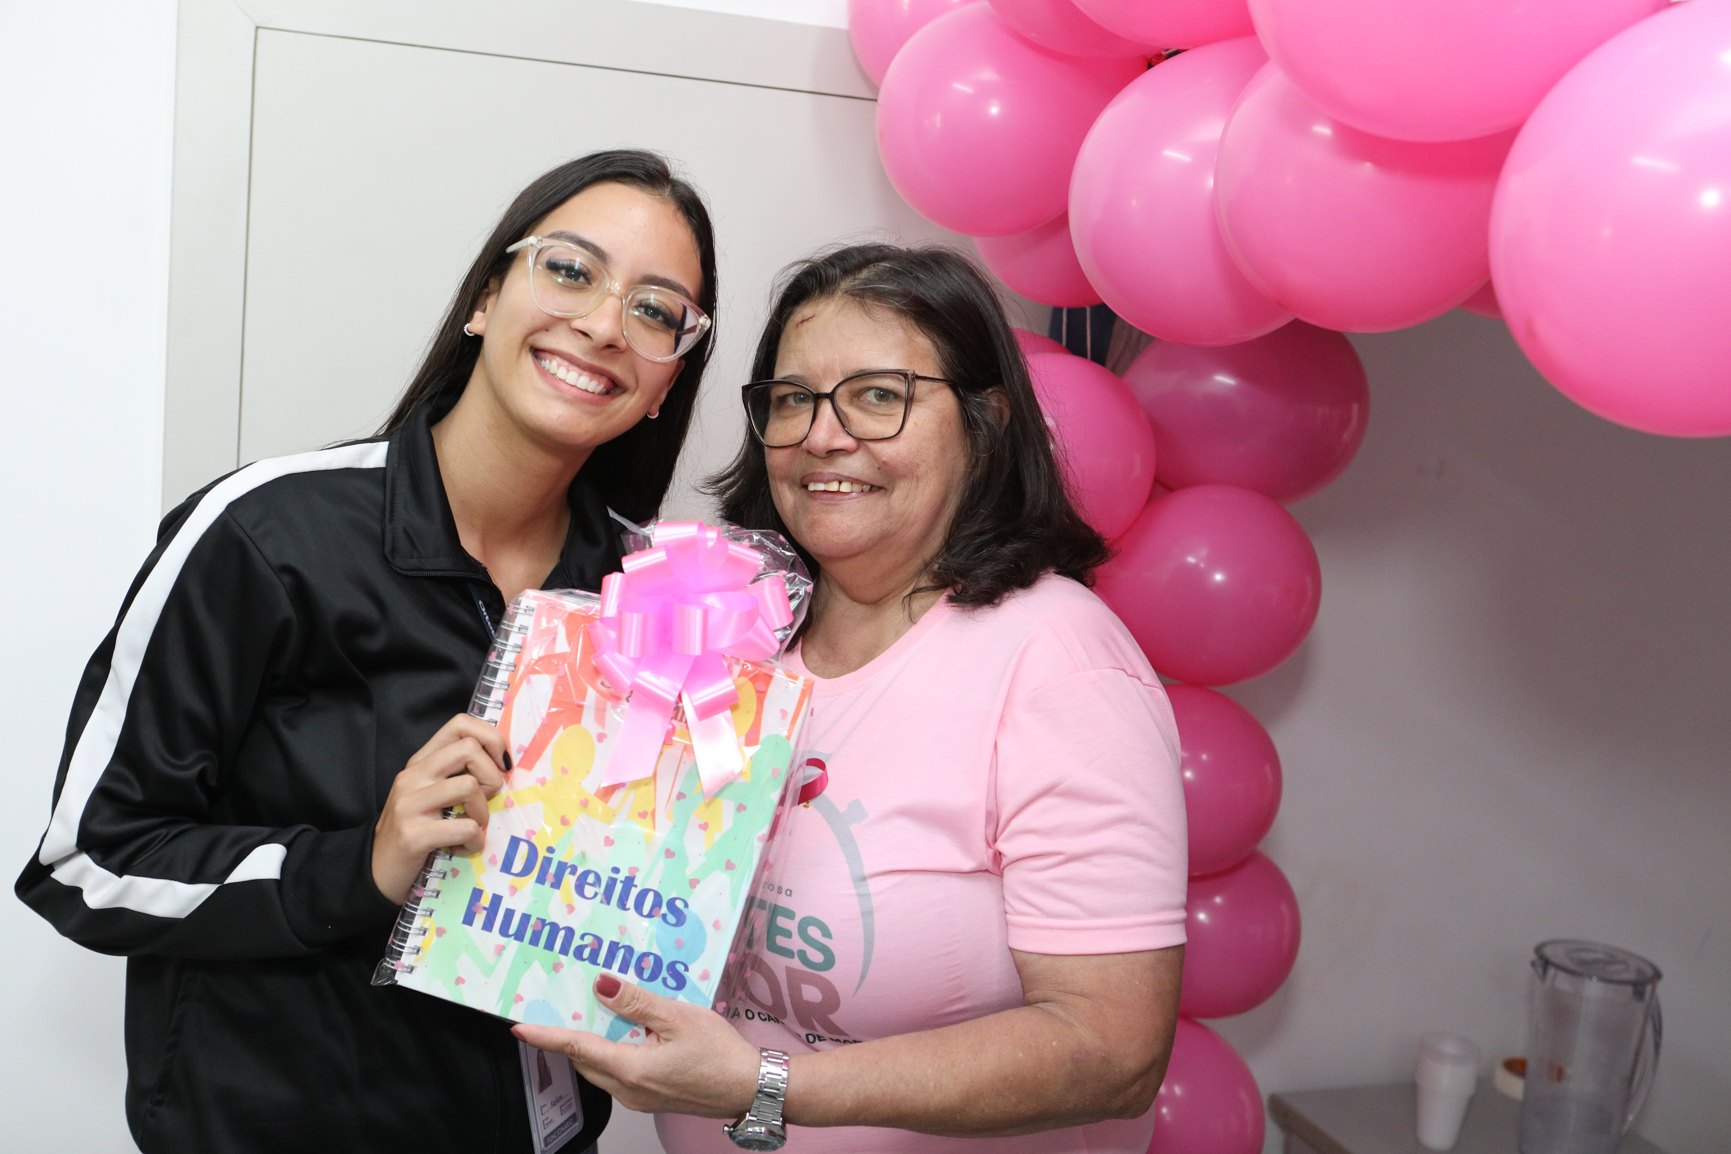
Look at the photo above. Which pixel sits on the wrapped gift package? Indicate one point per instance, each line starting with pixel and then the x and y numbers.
pixel 652 737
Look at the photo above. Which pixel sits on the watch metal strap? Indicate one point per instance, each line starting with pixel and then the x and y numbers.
pixel 762 1128
pixel 771 1087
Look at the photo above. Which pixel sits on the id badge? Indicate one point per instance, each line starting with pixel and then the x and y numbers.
pixel 555 1111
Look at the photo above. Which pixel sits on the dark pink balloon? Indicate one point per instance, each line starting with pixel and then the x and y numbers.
pixel 1172 23
pixel 1040 264
pixel 1484 303
pixel 879 28
pixel 1218 584
pixel 978 128
pixel 1060 26
pixel 1241 938
pixel 1347 230
pixel 1209 1102
pixel 1102 436
pixel 1282 414
pixel 1032 343
pixel 1231 777
pixel 1611 238
pixel 1142 202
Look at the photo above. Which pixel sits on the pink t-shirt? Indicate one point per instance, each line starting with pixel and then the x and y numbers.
pixel 999 779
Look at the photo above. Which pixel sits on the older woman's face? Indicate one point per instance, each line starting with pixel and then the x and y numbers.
pixel 904 490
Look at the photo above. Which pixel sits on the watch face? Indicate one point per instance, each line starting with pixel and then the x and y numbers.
pixel 748 1135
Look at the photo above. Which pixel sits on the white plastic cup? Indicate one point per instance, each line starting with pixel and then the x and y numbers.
pixel 1447 1075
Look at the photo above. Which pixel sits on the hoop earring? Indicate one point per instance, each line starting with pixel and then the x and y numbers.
pixel 469 332
pixel 655 414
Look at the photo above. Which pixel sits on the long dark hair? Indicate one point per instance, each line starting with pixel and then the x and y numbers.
pixel 1015 522
pixel 634 469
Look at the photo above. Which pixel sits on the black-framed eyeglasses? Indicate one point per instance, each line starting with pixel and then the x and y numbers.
pixel 871 406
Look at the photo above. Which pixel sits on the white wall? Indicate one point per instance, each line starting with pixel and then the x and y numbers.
pixel 1510 724
pixel 88 90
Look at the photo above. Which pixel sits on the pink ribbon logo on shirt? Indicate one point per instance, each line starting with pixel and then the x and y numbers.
pixel 667 621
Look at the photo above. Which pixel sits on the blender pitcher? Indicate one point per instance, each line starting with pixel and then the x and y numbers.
pixel 1592 1046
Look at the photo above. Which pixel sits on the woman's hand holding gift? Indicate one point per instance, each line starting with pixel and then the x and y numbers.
pixel 462 764
pixel 692 1061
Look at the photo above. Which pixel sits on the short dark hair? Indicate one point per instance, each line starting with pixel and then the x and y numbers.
pixel 634 469
pixel 1015 522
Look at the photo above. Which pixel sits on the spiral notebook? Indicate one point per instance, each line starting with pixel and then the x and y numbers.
pixel 649 880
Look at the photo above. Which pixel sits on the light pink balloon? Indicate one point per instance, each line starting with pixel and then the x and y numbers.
pixel 1060 26
pixel 879 28
pixel 1611 239
pixel 1209 1102
pixel 1040 264
pixel 1351 231
pixel 1241 938
pixel 1102 437
pixel 1436 69
pixel 1231 777
pixel 1484 302
pixel 1172 23
pixel 978 128
pixel 1282 414
pixel 1142 202
pixel 1217 584
pixel 1032 343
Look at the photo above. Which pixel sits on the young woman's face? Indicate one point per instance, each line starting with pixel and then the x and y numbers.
pixel 904 491
pixel 575 382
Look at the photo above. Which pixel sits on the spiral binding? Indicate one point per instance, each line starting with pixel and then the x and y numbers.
pixel 488 704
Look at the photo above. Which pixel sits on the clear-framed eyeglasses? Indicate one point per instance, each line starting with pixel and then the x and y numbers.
pixel 564 281
pixel 871 406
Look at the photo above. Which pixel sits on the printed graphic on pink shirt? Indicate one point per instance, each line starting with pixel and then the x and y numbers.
pixel 805 965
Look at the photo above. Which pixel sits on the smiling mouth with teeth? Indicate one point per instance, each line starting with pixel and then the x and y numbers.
pixel 840 487
pixel 574 378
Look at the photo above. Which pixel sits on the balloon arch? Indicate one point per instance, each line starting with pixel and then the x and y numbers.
pixel 1244 182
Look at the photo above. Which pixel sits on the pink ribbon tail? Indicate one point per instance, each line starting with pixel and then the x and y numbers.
pixel 716 744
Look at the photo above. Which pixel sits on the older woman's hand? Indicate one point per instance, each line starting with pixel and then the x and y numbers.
pixel 692 1061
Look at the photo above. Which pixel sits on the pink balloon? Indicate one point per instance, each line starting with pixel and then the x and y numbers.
pixel 1348 230
pixel 1241 938
pixel 1060 26
pixel 1218 584
pixel 978 128
pixel 1209 1102
pixel 1282 414
pixel 1611 238
pixel 1142 202
pixel 1484 302
pixel 1172 23
pixel 1102 437
pixel 1231 777
pixel 1032 343
pixel 879 28
pixel 1436 69
pixel 1040 264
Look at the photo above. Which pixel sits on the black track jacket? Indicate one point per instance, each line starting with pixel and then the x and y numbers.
pixel 301 629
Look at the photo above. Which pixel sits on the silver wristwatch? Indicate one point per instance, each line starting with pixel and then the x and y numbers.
pixel 761 1128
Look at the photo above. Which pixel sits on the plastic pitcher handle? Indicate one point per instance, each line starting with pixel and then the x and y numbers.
pixel 1646 1062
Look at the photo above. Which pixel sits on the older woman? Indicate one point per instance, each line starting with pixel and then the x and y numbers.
pixel 976 929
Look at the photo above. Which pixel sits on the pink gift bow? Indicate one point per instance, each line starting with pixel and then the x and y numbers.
pixel 665 623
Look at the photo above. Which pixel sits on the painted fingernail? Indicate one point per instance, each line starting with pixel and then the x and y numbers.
pixel 608 986
pixel 507 761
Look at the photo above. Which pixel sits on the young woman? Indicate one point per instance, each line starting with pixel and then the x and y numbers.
pixel 974 940
pixel 260 752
